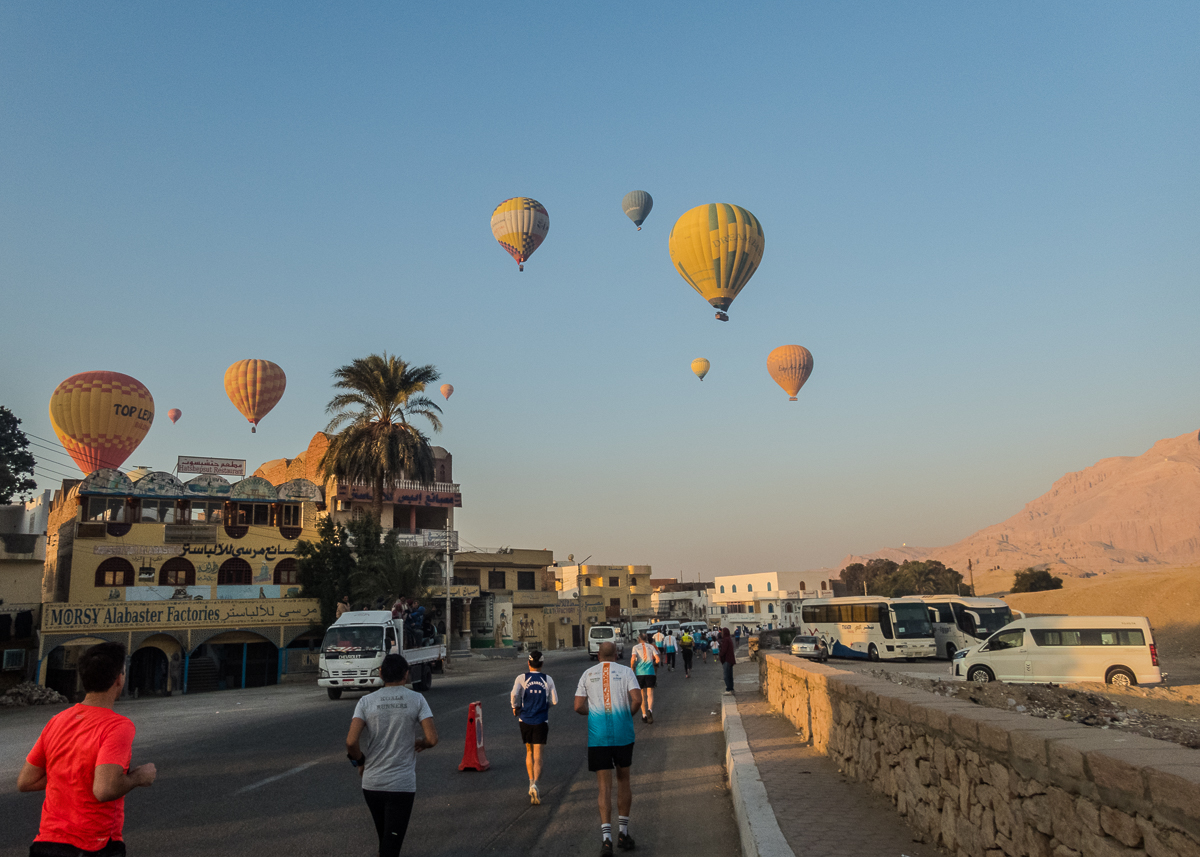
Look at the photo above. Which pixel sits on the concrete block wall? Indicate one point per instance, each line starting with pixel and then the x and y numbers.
pixel 981 782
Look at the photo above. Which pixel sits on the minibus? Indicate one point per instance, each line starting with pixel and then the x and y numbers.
pixel 869 627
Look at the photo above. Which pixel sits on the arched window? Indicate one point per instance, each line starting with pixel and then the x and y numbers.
pixel 768 586
pixel 114 571
pixel 802 586
pixel 177 571
pixel 749 587
pixel 635 603
pixel 287 572
pixel 234 571
pixel 722 588
pixel 770 608
pixel 735 587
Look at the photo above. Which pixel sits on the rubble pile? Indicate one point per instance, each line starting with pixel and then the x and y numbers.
pixel 28 693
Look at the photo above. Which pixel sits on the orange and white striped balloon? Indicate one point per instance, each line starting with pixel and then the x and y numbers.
pixel 101 417
pixel 254 387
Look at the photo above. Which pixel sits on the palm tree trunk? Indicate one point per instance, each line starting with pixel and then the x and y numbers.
pixel 377 500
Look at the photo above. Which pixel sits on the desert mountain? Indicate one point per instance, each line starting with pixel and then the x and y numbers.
pixel 1121 513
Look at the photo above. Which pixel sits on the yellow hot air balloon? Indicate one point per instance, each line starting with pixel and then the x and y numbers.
pixel 520 225
pixel 700 367
pixel 717 248
pixel 254 387
pixel 790 366
pixel 101 417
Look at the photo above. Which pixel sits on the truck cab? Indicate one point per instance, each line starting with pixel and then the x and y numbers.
pixel 354 647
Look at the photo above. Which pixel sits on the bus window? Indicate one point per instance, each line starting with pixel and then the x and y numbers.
pixel 885 622
pixel 858 613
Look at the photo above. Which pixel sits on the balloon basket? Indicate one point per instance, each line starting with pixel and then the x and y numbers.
pixel 722 317
pixel 792 399
pixel 520 267
pixel 253 430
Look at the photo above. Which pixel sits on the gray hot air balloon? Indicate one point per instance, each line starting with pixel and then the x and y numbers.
pixel 637 205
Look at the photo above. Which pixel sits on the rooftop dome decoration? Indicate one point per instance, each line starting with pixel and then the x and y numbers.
pixel 209 485
pixel 106 481
pixel 159 484
pixel 254 488
pixel 299 490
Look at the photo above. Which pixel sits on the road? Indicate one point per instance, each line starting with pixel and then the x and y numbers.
pixel 264 772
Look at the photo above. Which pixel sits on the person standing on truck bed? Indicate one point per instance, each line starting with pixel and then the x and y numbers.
pixel 532 695
pixel 391 716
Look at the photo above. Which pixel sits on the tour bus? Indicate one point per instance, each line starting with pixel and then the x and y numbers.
pixel 1116 650
pixel 353 650
pixel 959 623
pixel 870 627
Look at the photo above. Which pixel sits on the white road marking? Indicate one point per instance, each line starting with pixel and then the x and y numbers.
pixel 288 773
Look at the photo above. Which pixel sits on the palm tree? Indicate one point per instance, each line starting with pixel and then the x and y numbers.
pixel 380 445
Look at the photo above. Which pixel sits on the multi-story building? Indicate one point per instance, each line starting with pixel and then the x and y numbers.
pixel 516 592
pixel 622 590
pixel 768 598
pixel 22 557
pixel 682 601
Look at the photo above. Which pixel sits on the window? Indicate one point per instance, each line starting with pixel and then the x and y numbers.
pixel 768 586
pixel 1088 637
pixel 526 580
pixel 115 571
pixel 614 581
pixel 722 589
pixel 208 511
pixel 496 580
pixel 633 581
pixel 177 571
pixel 614 602
pixel 287 572
pixel 110 509
pixel 722 611
pixel 735 587
pixel 158 512
pixel 1013 639
pixel 635 604
pixel 749 587
pixel 802 586
pixel 291 515
pixel 234 571
pixel 770 608
pixel 14 659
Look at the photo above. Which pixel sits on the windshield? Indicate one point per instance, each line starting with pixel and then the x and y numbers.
pixel 912 620
pixel 991 620
pixel 365 638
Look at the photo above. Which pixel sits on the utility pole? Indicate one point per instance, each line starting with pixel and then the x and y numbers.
pixel 449 577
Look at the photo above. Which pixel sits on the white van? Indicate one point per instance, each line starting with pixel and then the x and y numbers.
pixel 1117 650
pixel 598 634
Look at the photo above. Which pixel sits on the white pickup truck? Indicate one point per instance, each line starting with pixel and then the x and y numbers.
pixel 353 650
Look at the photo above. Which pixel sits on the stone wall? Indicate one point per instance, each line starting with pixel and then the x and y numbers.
pixel 979 781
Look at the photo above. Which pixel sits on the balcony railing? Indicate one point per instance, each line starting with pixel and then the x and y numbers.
pixel 431 539
pixel 410 485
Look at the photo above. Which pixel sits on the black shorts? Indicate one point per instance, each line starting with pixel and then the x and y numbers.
pixel 645 681
pixel 534 733
pixel 112 848
pixel 607 758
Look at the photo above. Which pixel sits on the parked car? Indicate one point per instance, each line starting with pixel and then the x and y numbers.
pixel 598 634
pixel 810 647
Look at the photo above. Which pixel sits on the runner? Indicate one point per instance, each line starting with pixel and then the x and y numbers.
pixel 608 694
pixel 642 662
pixel 660 643
pixel 686 643
pixel 532 695
pixel 669 644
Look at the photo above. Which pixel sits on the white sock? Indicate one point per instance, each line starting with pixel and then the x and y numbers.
pixel 623 821
pixel 606 832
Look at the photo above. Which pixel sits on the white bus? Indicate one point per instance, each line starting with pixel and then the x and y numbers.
pixel 961 622
pixel 869 627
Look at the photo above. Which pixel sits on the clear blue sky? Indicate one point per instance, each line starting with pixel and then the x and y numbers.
pixel 980 218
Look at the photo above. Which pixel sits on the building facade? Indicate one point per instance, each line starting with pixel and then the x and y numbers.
pixel 683 602
pixel 514 587
pixel 770 598
pixel 22 558
pixel 623 591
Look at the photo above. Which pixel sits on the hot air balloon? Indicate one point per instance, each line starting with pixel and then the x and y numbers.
pixel 520 225
pixel 637 205
pixel 174 414
pixel 447 391
pixel 254 387
pixel 717 248
pixel 101 417
pixel 790 366
pixel 700 367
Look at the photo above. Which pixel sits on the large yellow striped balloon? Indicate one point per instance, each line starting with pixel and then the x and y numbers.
pixel 101 417
pixel 520 225
pixel 790 366
pixel 254 387
pixel 717 248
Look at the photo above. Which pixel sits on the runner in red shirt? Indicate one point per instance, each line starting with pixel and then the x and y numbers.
pixel 81 760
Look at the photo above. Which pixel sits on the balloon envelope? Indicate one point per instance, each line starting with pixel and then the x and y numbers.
pixel 716 248
pixel 254 387
pixel 101 417
pixel 174 414
pixel 790 366
pixel 520 225
pixel 700 367
pixel 447 391
pixel 636 205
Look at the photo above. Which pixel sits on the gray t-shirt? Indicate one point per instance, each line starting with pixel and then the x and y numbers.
pixel 393 716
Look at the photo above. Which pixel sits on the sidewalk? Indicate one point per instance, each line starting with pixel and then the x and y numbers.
pixel 820 812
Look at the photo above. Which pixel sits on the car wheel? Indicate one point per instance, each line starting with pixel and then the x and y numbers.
pixel 873 653
pixel 950 650
pixel 1120 677
pixel 980 675
pixel 334 692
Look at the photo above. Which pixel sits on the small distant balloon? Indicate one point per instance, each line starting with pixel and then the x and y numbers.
pixel 174 414
pixel 520 225
pixel 700 367
pixel 790 366
pixel 254 387
pixel 637 205
pixel 447 390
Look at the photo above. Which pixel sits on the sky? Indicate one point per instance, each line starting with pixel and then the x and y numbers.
pixel 981 219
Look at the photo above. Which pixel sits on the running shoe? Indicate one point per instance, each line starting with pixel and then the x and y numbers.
pixel 650 717
pixel 625 842
pixel 606 848
pixel 534 797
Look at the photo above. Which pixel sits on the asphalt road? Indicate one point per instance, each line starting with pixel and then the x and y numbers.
pixel 263 772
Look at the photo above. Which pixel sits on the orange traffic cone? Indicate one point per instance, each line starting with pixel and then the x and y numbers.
pixel 473 756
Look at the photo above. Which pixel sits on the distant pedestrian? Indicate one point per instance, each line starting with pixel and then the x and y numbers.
pixel 687 644
pixel 608 694
pixel 725 654
pixel 669 645
pixel 737 636
pixel 343 606
pixel 81 761
pixel 642 662
pixel 399 724
pixel 532 695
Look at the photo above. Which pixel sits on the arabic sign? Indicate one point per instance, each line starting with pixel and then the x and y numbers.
pixel 456 591
pixel 222 466
pixel 137 550
pixel 269 552
pixel 60 618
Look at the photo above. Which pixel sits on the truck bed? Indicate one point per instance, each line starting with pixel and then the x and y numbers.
pixel 424 654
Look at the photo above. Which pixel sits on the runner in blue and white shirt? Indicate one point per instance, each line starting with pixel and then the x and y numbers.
pixel 608 694
pixel 532 695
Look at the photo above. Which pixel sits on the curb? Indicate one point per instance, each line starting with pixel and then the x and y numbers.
pixel 757 826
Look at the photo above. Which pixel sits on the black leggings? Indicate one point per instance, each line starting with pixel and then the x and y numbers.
pixel 671 660
pixel 687 659
pixel 391 811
